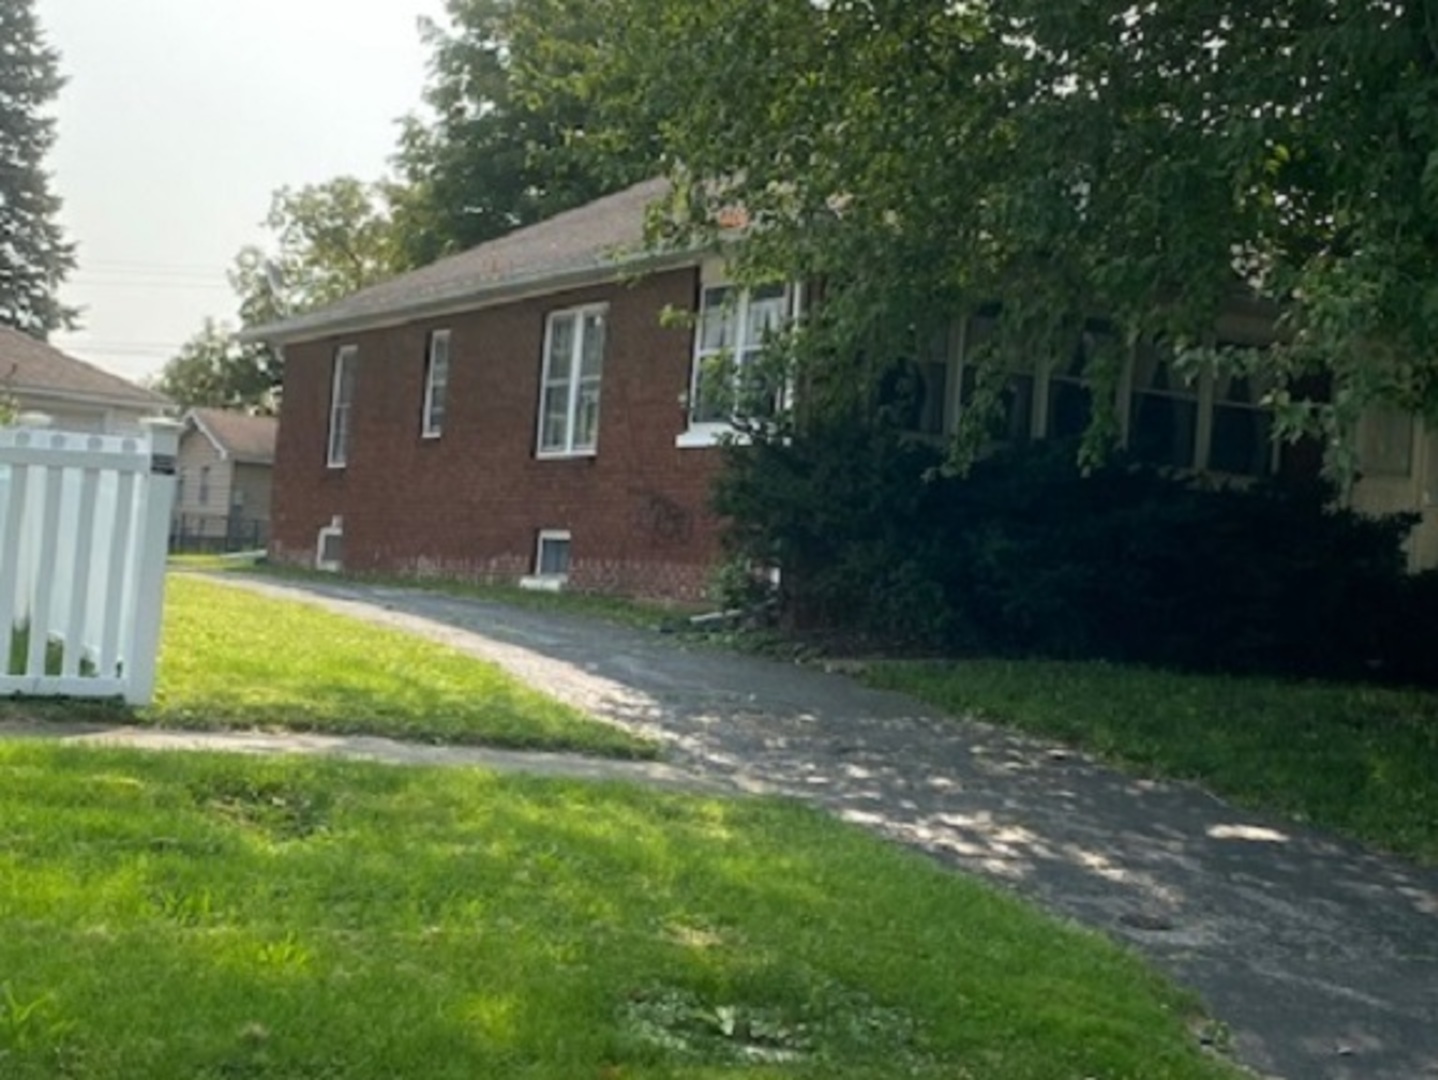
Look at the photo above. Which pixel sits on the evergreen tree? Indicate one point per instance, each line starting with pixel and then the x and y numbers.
pixel 34 255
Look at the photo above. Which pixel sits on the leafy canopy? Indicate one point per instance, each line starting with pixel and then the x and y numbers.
pixel 327 240
pixel 485 157
pixel 1145 161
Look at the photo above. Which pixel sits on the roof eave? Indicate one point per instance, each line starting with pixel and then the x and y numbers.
pixel 306 328
pixel 193 417
pixel 89 397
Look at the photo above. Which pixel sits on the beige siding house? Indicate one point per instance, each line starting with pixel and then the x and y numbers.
pixel 77 396
pixel 224 468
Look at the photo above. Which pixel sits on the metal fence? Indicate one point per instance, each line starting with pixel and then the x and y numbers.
pixel 83 520
pixel 212 534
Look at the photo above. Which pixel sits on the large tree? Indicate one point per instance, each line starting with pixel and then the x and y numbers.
pixel 34 255
pixel 214 370
pixel 326 241
pixel 486 156
pixel 1142 161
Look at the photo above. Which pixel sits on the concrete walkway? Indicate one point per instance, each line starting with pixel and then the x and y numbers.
pixel 1321 958
pixel 368 748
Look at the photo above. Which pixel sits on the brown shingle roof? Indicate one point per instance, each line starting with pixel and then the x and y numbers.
pixel 30 365
pixel 249 440
pixel 590 241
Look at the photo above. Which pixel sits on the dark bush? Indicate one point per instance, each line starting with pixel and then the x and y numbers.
pixel 1025 554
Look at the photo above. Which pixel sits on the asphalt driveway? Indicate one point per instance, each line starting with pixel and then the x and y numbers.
pixel 1319 958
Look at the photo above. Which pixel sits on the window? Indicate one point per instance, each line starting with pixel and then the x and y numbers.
pixel 552 559
pixel 1070 399
pixel 727 379
pixel 436 384
pixel 342 391
pixel 916 392
pixel 330 546
pixel 1241 441
pixel 204 496
pixel 1216 421
pixel 180 487
pixel 1163 411
pixel 569 391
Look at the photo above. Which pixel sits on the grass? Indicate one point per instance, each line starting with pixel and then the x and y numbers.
pixel 1361 760
pixel 19 654
pixel 231 659
pixel 184 917
pixel 243 560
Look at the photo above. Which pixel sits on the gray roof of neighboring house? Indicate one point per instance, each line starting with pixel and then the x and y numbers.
pixel 245 439
pixel 27 364
pixel 577 247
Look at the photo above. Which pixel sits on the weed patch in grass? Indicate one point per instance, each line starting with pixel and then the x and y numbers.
pixel 1355 758
pixel 161 916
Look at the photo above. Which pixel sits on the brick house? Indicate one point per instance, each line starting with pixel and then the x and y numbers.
pixel 224 472
pixel 522 412
pixel 515 412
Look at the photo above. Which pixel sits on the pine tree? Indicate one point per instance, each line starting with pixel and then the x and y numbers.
pixel 34 254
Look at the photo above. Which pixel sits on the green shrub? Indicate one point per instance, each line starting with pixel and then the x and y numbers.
pixel 1026 554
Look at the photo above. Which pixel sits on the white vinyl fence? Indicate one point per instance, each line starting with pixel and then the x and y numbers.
pixel 84 526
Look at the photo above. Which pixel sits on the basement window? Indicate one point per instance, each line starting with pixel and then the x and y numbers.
pixel 551 561
pixel 330 547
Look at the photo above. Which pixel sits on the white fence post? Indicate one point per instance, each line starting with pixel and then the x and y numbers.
pixel 84 523
pixel 154 548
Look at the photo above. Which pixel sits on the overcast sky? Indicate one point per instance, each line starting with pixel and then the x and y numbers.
pixel 179 120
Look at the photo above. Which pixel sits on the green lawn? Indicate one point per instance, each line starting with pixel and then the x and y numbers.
pixel 194 917
pixel 1359 759
pixel 232 659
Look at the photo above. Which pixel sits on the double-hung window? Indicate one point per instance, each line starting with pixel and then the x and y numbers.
pixel 1216 421
pixel 728 379
pixel 569 387
pixel 342 390
pixel 1164 411
pixel 436 384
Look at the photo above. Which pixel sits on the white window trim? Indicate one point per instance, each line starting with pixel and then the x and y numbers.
pixel 1203 392
pixel 344 356
pixel 547 582
pixel 703 434
pixel 570 450
pixel 336 527
pixel 428 428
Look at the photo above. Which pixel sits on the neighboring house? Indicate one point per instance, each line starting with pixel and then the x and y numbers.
pixel 522 411
pixel 224 468
pixel 77 396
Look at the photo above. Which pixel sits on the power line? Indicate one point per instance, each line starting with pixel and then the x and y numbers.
pixel 89 282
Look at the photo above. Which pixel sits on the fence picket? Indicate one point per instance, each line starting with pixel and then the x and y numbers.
pixel 84 574
pixel 115 578
pixel 43 587
pixel 10 560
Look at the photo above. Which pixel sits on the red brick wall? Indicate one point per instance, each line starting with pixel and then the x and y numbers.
pixel 471 503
